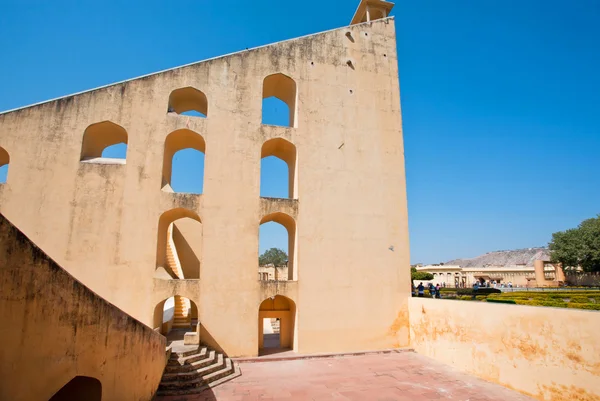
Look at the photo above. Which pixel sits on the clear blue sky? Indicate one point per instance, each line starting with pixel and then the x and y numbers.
pixel 501 100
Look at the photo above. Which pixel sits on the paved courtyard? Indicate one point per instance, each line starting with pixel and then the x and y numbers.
pixel 400 376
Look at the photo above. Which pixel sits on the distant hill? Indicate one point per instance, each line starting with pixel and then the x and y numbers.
pixel 504 258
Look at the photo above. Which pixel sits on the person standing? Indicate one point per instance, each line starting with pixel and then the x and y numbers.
pixel 421 290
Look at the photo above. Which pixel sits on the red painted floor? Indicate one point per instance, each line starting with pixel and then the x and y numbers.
pixel 380 377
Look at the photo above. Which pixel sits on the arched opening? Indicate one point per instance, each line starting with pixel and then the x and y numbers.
pixel 275 180
pixel 179 245
pixel 175 316
pixel 277 234
pixel 183 162
pixel 80 388
pixel 276 325
pixel 189 102
pixel 283 110
pixel 105 140
pixel 4 162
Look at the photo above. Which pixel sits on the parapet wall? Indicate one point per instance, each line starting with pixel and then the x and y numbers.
pixel 548 353
pixel 53 329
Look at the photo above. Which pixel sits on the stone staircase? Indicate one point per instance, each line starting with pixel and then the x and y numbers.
pixel 191 372
pixel 173 263
pixel 181 316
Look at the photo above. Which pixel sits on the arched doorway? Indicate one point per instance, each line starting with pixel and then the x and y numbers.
pixel 175 316
pixel 276 325
pixel 79 388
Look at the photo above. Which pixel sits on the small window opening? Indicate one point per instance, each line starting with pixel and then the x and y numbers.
pixel 187 175
pixel 274 178
pixel 118 151
pixel 279 101
pixel 188 102
pixel 278 169
pixel 105 140
pixel 4 161
pixel 183 162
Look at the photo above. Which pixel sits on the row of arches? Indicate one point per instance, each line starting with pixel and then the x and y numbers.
pixel 183 160
pixel 279 101
pixel 276 321
pixel 179 243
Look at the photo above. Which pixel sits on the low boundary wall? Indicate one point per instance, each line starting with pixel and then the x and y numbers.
pixel 551 354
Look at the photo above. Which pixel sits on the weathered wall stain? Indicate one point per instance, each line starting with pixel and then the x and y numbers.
pixel 529 349
pixel 566 393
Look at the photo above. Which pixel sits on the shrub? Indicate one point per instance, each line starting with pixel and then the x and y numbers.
pixel 481 291
pixel 502 301
pixel 554 304
pixel 580 300
pixel 484 291
pixel 584 306
pixel 466 297
pixel 422 276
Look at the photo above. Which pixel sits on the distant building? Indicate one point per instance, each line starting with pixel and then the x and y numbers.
pixel 459 277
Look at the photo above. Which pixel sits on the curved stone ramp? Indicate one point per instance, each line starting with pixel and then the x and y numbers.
pixel 191 372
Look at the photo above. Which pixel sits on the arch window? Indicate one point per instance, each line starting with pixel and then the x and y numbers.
pixel 188 102
pixel 278 169
pixel 105 140
pixel 175 313
pixel 279 100
pixel 80 388
pixel 179 245
pixel 4 162
pixel 276 325
pixel 183 162
pixel 278 231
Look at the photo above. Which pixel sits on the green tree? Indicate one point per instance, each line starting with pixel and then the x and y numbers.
pixel 274 256
pixel 421 276
pixel 578 247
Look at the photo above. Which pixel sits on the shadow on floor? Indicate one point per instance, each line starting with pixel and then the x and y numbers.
pixel 271 345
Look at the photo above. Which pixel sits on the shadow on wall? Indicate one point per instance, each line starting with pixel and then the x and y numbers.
pixel 207 339
pixel 190 263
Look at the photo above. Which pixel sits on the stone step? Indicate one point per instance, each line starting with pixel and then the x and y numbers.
pixel 193 379
pixel 216 375
pixel 192 362
pixel 209 367
pixel 234 371
pixel 183 356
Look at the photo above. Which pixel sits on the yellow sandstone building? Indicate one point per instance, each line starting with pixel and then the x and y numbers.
pixel 92 248
pixel 115 224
